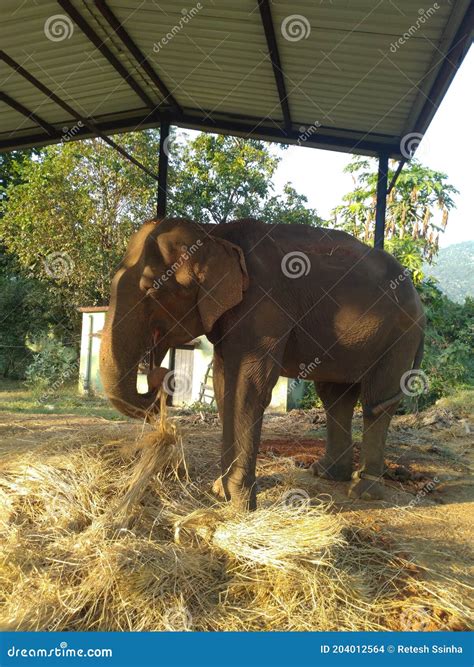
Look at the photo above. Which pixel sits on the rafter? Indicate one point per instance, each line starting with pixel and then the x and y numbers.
pixel 14 104
pixel 266 16
pixel 141 59
pixel 89 124
pixel 93 37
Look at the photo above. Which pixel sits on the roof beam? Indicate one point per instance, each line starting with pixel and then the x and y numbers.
pixel 244 127
pixel 266 16
pixel 80 21
pixel 89 124
pixel 123 35
pixel 14 104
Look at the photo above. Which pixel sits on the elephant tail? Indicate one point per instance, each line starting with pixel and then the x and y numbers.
pixel 376 410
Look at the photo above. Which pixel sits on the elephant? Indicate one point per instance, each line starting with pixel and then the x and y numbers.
pixel 274 300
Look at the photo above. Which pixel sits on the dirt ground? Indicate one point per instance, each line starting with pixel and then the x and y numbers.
pixel 429 458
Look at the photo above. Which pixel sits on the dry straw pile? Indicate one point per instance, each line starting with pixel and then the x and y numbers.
pixel 97 534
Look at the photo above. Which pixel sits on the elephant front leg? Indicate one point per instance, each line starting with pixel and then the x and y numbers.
pixel 248 390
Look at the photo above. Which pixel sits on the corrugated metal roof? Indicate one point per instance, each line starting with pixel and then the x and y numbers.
pixel 343 65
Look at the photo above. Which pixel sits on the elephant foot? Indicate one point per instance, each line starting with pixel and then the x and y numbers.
pixel 241 497
pixel 338 472
pixel 366 488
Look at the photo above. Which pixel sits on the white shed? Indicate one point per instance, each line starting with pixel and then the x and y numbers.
pixel 193 361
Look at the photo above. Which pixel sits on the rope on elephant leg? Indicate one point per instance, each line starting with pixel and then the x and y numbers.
pixel 360 474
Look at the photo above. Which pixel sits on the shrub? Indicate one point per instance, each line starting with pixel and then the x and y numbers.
pixel 53 365
pixel 448 361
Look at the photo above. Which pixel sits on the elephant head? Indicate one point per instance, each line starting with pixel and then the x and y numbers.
pixel 175 281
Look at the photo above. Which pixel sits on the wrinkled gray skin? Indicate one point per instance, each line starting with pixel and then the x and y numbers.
pixel 341 314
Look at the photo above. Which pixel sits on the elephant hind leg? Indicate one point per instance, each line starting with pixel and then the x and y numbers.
pixel 380 395
pixel 367 482
pixel 339 401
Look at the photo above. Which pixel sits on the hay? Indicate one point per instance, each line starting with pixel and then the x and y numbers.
pixel 101 535
pixel 160 451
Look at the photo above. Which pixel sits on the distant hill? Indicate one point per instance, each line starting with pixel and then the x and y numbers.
pixel 454 270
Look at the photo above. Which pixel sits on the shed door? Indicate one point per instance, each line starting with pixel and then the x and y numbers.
pixel 183 368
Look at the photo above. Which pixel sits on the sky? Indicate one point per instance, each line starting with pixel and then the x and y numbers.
pixel 447 146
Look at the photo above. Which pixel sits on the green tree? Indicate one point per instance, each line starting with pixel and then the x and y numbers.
pixel 26 311
pixel 417 210
pixel 69 218
pixel 448 360
pixel 218 178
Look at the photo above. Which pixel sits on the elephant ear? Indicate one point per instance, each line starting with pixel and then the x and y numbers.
pixel 223 277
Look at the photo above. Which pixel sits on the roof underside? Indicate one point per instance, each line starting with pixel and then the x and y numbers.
pixel 329 74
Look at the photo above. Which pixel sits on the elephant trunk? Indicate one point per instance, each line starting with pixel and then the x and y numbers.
pixel 125 339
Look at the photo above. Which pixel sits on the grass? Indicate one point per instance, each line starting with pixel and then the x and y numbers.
pixel 460 401
pixel 15 396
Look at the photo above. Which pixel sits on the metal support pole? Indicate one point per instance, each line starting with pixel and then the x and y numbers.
pixel 381 205
pixel 163 168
